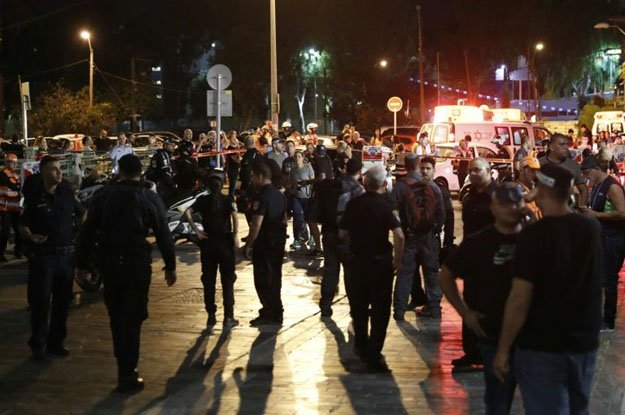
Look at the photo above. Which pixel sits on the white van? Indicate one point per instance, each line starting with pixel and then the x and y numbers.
pixel 610 121
pixel 482 133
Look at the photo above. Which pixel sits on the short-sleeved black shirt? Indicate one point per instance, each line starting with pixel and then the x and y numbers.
pixel 368 219
pixel 476 214
pixel 271 204
pixel 52 215
pixel 484 261
pixel 215 211
pixel 561 257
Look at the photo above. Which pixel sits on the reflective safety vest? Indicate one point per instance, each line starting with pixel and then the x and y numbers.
pixel 9 199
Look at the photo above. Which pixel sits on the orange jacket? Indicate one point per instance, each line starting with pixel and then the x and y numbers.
pixel 9 191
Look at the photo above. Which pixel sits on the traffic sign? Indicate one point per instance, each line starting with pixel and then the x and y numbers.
pixel 394 104
pixel 225 103
pixel 214 72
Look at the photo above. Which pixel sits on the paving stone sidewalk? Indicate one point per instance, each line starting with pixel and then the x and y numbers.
pixel 304 367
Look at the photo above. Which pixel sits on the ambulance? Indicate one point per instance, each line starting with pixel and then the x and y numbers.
pixel 610 121
pixel 454 122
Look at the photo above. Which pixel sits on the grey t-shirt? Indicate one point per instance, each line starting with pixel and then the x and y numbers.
pixel 278 157
pixel 568 164
pixel 305 173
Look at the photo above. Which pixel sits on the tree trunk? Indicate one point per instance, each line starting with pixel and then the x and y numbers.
pixel 300 104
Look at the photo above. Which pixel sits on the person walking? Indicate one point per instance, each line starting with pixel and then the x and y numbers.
pixel 302 178
pixel 484 262
pixel 118 222
pixel 370 287
pixel 10 206
pixel 218 241
pixel 553 311
pixel 47 224
pixel 265 245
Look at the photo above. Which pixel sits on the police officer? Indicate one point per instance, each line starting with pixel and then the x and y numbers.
pixel 367 222
pixel 162 170
pixel 118 221
pixel 47 223
pixel 332 196
pixel 245 173
pixel 187 170
pixel 120 150
pixel 217 244
pixel 9 206
pixel 265 245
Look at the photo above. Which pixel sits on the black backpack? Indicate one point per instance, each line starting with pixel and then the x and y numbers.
pixel 327 193
pixel 418 209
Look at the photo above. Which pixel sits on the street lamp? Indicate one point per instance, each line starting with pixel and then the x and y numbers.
pixel 605 26
pixel 532 72
pixel 383 63
pixel 86 35
pixel 274 97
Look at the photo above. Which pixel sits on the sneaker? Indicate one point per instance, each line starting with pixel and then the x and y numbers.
pixel 378 366
pixel 467 361
pixel 230 322
pixel 211 321
pixel 311 242
pixel 607 327
pixel 296 245
pixel 315 253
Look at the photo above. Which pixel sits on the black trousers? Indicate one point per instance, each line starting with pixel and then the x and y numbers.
pixel 331 267
pixel 218 251
pixel 233 175
pixel 370 285
pixel 49 275
pixel 126 290
pixel 267 259
pixel 10 220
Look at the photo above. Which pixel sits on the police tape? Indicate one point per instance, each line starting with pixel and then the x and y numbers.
pixel 454 158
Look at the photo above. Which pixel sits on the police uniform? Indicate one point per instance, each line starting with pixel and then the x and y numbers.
pixel 50 266
pixel 118 152
pixel 368 220
pixel 217 249
pixel 118 222
pixel 9 209
pixel 162 173
pixel 268 251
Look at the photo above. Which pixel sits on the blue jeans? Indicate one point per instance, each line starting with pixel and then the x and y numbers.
pixel 300 216
pixel 499 395
pixel 555 383
pixel 613 254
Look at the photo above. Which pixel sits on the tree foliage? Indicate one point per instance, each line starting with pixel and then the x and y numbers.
pixel 60 111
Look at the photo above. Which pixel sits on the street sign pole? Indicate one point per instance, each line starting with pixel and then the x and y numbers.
pixel 394 123
pixel 395 104
pixel 219 119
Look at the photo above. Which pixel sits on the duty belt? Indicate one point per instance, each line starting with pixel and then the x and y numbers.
pixel 54 250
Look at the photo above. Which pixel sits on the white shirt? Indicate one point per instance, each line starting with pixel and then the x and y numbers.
pixel 118 152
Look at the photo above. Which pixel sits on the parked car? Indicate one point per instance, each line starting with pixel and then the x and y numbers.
pixel 407 135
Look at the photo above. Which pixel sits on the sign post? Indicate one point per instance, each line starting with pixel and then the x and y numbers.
pixel 219 77
pixel 395 104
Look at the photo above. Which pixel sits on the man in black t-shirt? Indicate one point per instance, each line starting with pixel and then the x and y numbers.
pixel 554 307
pixel 484 262
pixel 217 243
pixel 476 215
pixel 367 222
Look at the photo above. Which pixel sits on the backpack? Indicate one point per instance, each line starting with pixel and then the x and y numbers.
pixel 417 210
pixel 327 194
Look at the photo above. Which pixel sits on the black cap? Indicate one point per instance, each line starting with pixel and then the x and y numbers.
pixel 552 175
pixel 590 162
pixel 130 165
pixel 509 193
pixel 320 149
pixel 168 140
pixel 353 166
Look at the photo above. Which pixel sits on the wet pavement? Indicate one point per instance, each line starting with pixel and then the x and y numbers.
pixel 306 366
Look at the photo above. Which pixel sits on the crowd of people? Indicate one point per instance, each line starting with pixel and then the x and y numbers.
pixel 532 302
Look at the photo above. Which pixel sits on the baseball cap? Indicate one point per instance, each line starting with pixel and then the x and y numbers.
pixel 589 162
pixel 10 157
pixel 168 140
pixel 320 149
pixel 531 162
pixel 509 192
pixel 552 176
pixel 353 166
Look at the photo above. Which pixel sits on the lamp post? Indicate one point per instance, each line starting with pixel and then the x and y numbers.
pixel 421 87
pixel 86 35
pixel 531 79
pixel 274 97
pixel 604 26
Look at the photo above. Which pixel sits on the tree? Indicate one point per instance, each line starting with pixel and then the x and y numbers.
pixel 308 68
pixel 60 111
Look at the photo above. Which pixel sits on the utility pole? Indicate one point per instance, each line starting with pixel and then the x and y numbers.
pixel 438 78
pixel 274 98
pixel 133 111
pixel 421 80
